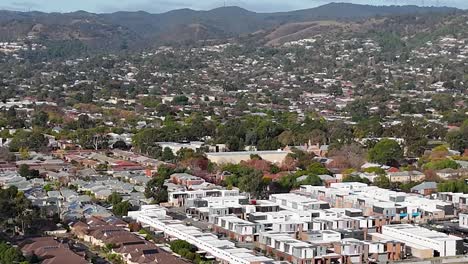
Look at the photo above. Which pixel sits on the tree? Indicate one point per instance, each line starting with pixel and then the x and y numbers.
pixel 17 210
pixel 13 120
pixel 246 179
pixel 24 153
pixel 48 188
pixel 180 100
pixel 286 138
pixel 235 144
pixel 355 178
pixel 303 159
pixel 84 122
pixel 313 180
pixel 114 198
pixel 441 164
pixel 187 251
pixel 9 254
pixel 339 134
pixel 439 153
pixel 115 259
pixel 185 154
pixel 358 110
pixel 6 155
pixel 253 183
pixel 414 134
pixel 453 186
pixel 121 208
pixel 31 140
pixel 24 171
pixel 120 145
pixel 349 156
pixel 155 188
pixel 442 102
pixel 369 128
pixel 458 139
pixel 167 154
pixel 386 151
pixel 161 196
pixel 317 168
pixel 40 119
pixel 382 181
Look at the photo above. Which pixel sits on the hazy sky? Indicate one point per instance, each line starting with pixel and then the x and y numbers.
pixel 158 6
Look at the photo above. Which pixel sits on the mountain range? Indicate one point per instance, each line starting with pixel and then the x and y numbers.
pixel 142 29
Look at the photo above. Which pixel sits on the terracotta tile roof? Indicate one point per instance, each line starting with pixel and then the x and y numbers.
pixel 53 251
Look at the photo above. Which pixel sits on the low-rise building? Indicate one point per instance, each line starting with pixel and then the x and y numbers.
pixel 424 243
pixel 237 157
pixel 223 250
pixel 463 220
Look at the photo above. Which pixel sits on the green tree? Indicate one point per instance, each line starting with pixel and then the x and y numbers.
pixel 458 139
pixel 84 122
pixel 358 110
pixel 453 186
pixel 386 151
pixel 30 140
pixel 24 153
pixel 253 183
pixel 356 178
pixel 382 182
pixel 441 164
pixel 180 100
pixel 40 119
pixel 121 208
pixel 48 188
pixel 114 198
pixel 155 188
pixel 313 180
pixel 317 169
pixel 24 171
pixel 9 254
pixel 167 154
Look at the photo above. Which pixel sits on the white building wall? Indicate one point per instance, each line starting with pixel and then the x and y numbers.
pixel 446 247
pixel 202 245
pixel 463 220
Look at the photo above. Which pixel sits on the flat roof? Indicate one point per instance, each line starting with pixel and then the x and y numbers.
pixel 269 152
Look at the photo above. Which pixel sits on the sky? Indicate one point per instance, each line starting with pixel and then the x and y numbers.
pixel 159 6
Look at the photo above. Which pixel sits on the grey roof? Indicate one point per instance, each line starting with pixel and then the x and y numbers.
pixel 424 186
pixel 462 163
pixel 325 177
pixel 405 173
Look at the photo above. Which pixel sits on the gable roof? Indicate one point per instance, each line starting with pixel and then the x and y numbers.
pixel 424 186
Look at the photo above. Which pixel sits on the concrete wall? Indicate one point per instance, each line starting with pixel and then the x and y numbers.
pixel 237 157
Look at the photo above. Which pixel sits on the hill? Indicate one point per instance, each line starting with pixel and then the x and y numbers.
pixel 142 29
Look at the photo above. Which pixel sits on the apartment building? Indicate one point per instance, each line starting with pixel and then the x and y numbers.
pixel 374 201
pixel 222 250
pixel 423 243
pixel 235 228
pixel 298 202
pixel 358 251
pixel 179 198
pixel 286 247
